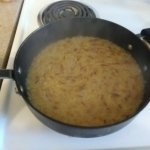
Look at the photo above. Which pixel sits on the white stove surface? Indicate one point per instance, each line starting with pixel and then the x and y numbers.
pixel 20 130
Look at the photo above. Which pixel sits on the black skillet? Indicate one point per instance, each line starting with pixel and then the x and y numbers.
pixel 69 28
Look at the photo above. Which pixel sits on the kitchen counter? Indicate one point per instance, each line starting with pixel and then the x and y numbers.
pixel 9 14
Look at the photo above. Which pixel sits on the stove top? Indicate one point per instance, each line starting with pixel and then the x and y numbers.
pixel 64 9
pixel 19 129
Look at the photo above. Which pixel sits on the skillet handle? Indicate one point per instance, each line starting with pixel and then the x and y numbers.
pixel 146 34
pixel 145 37
pixel 6 74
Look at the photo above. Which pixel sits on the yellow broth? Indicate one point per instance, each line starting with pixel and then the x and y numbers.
pixel 85 81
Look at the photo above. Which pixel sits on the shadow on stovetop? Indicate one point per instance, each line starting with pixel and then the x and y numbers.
pixel 12 103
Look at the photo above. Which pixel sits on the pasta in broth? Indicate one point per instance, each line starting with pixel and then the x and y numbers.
pixel 85 81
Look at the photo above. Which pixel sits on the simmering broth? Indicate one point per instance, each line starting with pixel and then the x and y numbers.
pixel 85 81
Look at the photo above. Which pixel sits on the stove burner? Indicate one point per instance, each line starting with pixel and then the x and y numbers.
pixel 64 9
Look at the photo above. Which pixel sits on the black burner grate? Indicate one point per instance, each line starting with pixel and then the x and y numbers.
pixel 64 9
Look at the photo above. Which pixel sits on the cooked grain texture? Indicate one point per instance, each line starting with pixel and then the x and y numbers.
pixel 85 81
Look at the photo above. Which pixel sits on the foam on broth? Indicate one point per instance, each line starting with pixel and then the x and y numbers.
pixel 85 81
